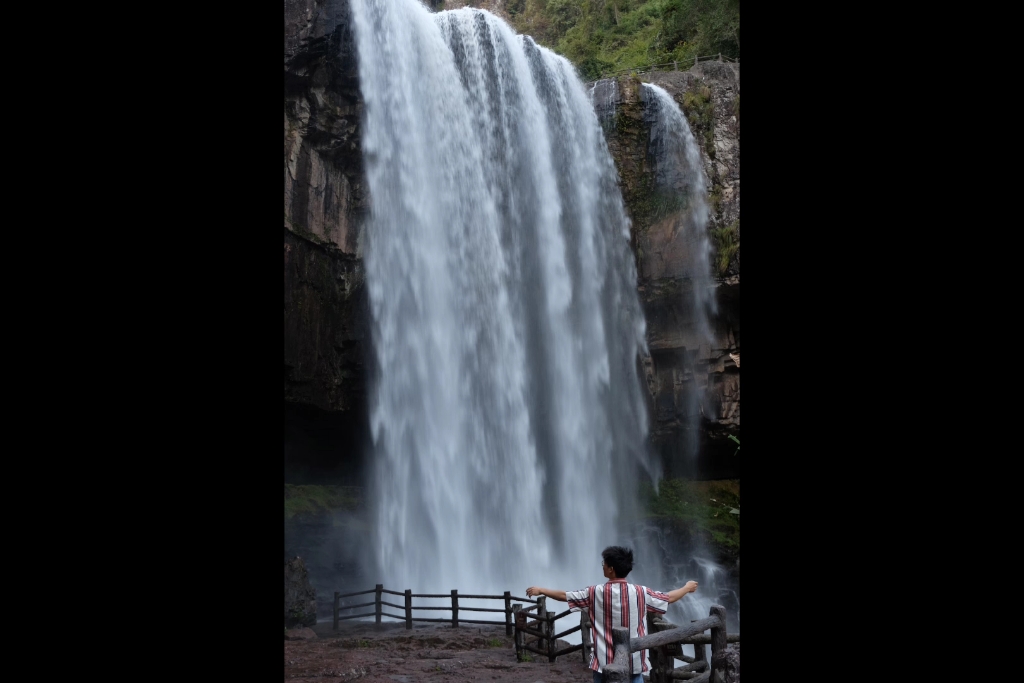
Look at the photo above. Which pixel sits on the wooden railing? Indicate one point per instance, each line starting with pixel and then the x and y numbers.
pixel 664 67
pixel 666 646
pixel 539 623
pixel 534 631
pixel 379 604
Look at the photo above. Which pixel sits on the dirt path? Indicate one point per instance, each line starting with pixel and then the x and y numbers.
pixel 388 653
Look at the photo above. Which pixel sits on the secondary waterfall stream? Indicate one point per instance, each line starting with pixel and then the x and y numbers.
pixel 507 414
pixel 679 178
pixel 679 175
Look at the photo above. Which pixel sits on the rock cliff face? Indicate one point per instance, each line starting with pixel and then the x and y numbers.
pixel 326 203
pixel 679 363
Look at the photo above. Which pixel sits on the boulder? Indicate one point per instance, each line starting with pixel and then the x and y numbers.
pixel 299 595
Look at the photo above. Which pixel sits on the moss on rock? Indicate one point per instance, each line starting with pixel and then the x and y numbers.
pixel 315 501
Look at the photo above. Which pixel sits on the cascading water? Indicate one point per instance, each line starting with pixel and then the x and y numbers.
pixel 679 173
pixel 507 416
pixel 679 177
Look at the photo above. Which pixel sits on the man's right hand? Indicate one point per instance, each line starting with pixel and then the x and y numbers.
pixel 691 586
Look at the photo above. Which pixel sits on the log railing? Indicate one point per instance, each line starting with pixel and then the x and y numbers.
pixel 534 631
pixel 639 70
pixel 379 603
pixel 666 646
pixel 539 623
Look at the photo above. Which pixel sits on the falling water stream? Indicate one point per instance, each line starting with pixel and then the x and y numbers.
pixel 680 177
pixel 679 173
pixel 507 416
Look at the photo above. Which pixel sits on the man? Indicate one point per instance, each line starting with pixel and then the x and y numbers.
pixel 616 603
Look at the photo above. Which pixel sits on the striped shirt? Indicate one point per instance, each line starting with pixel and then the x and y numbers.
pixel 613 604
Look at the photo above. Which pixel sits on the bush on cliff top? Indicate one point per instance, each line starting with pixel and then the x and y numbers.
pixel 599 36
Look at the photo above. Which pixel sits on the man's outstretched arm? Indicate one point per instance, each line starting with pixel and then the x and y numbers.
pixel 690 587
pixel 553 594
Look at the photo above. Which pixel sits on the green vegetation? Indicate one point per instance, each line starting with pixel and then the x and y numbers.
pixel 651 204
pixel 700 112
pixel 599 36
pixel 495 642
pixel 317 500
pixel 727 243
pixel 700 508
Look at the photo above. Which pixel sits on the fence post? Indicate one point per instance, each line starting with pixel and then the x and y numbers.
pixel 520 621
pixel 380 587
pixel 508 613
pixel 700 653
pixel 542 613
pixel 337 601
pixel 455 608
pixel 552 645
pixel 585 636
pixel 408 609
pixel 695 60
pixel 719 56
pixel 719 662
pixel 654 654
pixel 618 670
pixel 675 65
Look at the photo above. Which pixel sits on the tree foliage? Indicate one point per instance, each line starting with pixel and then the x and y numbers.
pixel 604 35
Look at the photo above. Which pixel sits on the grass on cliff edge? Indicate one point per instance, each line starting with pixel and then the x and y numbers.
pixel 318 500
pixel 702 507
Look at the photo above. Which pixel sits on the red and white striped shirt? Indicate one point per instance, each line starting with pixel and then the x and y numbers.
pixel 613 604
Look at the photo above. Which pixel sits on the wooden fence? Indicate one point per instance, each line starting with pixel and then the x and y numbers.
pixel 665 67
pixel 534 631
pixel 378 604
pixel 539 623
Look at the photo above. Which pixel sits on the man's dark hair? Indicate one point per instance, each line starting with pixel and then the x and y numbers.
pixel 618 558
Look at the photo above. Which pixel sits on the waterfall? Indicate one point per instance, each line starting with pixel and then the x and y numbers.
pixel 679 173
pixel 507 415
pixel 679 178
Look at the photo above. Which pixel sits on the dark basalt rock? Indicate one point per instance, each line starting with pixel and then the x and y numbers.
pixel 325 208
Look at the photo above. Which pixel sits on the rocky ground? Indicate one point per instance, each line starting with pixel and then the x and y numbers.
pixel 388 653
